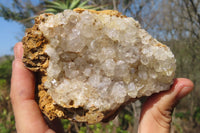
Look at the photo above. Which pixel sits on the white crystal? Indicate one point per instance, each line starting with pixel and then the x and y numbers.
pixel 118 92
pixel 132 90
pixel 109 67
pixel 94 80
pixel 87 72
pixel 103 61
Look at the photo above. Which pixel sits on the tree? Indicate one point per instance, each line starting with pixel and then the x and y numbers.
pixel 183 26
pixel 21 11
pixel 183 19
pixel 24 12
pixel 181 29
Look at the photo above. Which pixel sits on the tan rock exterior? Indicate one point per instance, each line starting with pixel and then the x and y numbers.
pixel 37 61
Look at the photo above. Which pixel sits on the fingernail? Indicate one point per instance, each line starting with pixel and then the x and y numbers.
pixel 184 91
pixel 18 52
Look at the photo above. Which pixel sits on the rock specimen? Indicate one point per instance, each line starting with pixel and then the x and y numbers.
pixel 91 63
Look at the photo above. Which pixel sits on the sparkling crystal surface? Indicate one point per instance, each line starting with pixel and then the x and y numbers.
pixel 102 61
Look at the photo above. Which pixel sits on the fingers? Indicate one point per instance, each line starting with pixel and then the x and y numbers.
pixel 23 84
pixel 183 87
pixel 156 111
pixel 27 113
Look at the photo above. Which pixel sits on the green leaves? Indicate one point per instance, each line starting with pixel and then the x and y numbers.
pixel 59 6
pixel 74 4
pixel 21 12
pixel 83 3
pixel 6 69
pixel 56 5
pixel 8 14
pixel 196 115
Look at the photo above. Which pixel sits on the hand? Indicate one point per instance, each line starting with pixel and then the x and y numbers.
pixel 157 110
pixel 155 115
pixel 27 113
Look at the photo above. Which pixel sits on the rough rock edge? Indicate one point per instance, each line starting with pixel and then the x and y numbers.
pixel 37 60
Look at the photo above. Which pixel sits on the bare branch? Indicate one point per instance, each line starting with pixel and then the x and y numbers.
pixel 114 5
pixel 195 10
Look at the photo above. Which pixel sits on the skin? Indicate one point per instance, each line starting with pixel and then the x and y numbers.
pixel 155 115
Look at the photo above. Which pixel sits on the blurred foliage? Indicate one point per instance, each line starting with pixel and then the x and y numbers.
pixel 2 83
pixel 196 115
pixel 25 12
pixel 7 123
pixel 182 115
pixel 109 127
pixel 177 127
pixel 21 11
pixel 59 6
pixel 5 71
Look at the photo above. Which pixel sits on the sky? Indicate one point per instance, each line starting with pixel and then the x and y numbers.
pixel 10 32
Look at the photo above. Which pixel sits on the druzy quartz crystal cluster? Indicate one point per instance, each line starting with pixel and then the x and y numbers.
pixel 91 63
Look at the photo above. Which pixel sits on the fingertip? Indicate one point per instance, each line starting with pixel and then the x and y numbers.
pixel 185 82
pixel 158 107
pixel 184 87
pixel 179 89
pixel 22 80
pixel 18 50
pixel 18 45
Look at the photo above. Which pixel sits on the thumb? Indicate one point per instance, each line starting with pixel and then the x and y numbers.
pixel 156 111
pixel 27 113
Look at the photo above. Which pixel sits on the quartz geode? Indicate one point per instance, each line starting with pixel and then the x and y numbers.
pixel 90 63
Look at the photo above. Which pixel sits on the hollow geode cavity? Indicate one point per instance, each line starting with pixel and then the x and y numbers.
pixel 91 63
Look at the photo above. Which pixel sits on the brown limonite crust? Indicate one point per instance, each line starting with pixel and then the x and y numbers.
pixel 37 60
